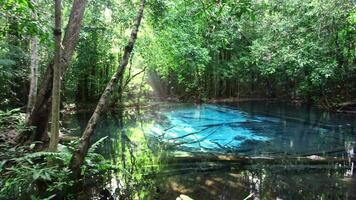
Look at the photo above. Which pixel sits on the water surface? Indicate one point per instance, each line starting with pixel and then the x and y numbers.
pixel 141 140
pixel 246 131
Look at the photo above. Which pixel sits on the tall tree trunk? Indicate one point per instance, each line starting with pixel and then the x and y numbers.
pixel 34 70
pixel 53 143
pixel 41 110
pixel 33 76
pixel 80 153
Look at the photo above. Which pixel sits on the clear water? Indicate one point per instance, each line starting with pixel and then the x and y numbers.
pixel 255 130
pixel 207 128
pixel 277 130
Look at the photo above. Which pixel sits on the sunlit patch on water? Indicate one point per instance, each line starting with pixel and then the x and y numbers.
pixel 251 129
pixel 227 129
pixel 208 127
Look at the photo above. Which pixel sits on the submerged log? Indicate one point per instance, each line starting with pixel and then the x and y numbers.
pixel 345 104
pixel 246 160
pixel 345 107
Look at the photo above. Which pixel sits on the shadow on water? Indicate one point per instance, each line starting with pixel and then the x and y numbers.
pixel 144 145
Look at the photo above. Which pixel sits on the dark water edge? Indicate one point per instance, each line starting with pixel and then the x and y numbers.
pixel 153 178
pixel 264 182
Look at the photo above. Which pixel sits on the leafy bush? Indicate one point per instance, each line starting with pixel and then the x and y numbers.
pixel 45 174
pixel 26 180
pixel 12 119
pixel 32 172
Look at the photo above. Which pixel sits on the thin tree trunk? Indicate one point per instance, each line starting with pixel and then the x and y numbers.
pixel 53 143
pixel 34 75
pixel 80 153
pixel 41 110
pixel 34 72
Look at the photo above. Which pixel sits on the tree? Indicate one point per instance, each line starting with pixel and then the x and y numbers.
pixel 79 155
pixel 215 49
pixel 41 111
pixel 95 61
pixel 14 58
pixel 56 79
pixel 34 71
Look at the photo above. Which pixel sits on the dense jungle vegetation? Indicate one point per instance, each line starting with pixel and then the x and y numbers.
pixel 64 56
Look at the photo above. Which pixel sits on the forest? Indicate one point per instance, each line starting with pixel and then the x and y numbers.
pixel 177 99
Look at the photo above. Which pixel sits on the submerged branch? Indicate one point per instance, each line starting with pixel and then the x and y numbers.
pixel 232 159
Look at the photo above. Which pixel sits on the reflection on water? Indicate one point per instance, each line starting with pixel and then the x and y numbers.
pixel 263 182
pixel 142 142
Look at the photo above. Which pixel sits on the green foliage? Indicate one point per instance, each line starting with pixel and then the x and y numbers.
pixel 13 61
pixel 17 4
pixel 12 119
pixel 192 49
pixel 210 49
pixel 43 174
pixel 25 179
pixel 101 40
pixel 95 163
pixel 94 146
pixel 19 21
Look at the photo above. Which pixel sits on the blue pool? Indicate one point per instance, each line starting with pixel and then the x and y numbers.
pixel 227 128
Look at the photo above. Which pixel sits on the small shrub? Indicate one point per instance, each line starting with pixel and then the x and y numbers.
pixel 12 119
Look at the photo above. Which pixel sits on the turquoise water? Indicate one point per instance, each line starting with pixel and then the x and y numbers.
pixel 278 130
pixel 207 127
pixel 240 130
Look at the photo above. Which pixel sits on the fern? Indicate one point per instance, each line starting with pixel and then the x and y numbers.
pixel 7 62
pixel 12 119
pixel 97 144
pixel 31 156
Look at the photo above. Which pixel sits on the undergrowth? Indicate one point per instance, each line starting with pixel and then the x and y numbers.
pixel 27 174
pixel 42 175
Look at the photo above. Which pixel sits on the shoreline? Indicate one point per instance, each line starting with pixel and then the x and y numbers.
pixel 348 108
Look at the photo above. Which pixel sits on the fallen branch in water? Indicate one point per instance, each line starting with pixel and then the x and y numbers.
pixel 194 141
pixel 186 135
pixel 232 159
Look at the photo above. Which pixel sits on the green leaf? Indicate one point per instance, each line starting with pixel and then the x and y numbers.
pixel 35 175
pixel 32 145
